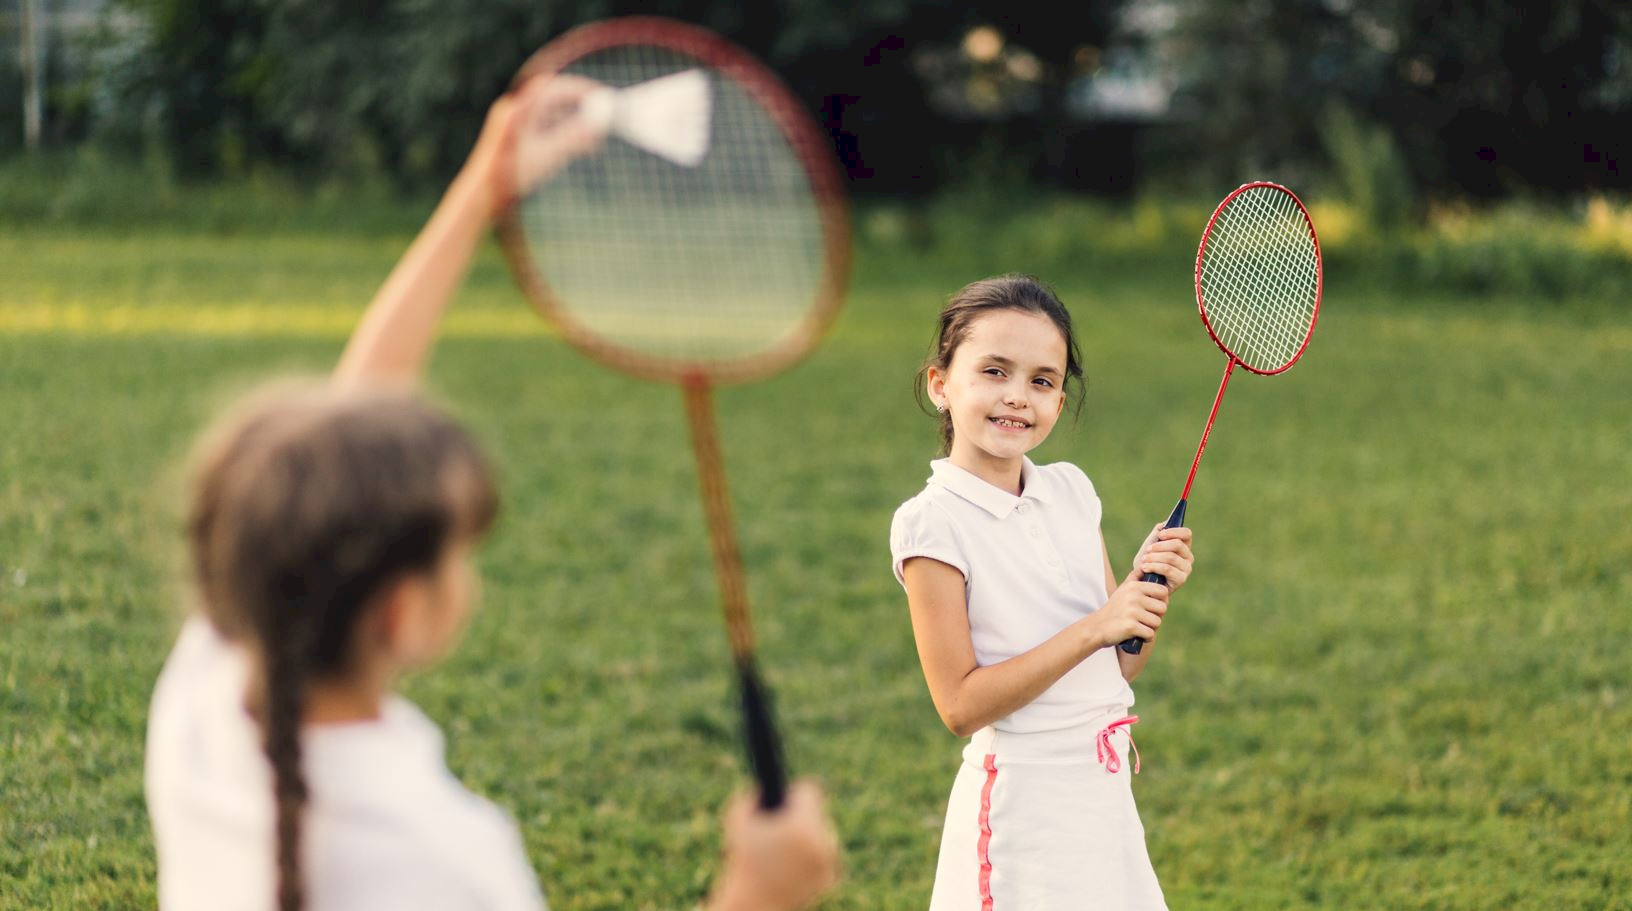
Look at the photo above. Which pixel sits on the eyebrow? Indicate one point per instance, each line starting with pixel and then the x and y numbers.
pixel 1002 361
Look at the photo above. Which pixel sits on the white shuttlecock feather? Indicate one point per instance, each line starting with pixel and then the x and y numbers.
pixel 668 116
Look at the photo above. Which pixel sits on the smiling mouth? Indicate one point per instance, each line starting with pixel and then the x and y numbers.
pixel 1010 423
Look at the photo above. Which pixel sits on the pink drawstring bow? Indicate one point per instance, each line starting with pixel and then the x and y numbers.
pixel 1107 753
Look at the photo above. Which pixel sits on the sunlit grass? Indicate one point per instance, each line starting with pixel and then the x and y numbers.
pixel 1399 679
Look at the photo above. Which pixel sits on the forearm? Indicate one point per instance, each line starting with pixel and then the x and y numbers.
pixel 395 334
pixel 995 691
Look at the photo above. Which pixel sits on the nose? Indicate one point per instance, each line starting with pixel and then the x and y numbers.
pixel 1015 396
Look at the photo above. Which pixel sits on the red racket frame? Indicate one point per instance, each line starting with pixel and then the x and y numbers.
pixel 1176 517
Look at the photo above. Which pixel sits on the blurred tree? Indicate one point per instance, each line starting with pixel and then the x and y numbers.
pixel 202 66
pixel 400 86
pixel 1478 97
pixel 1488 98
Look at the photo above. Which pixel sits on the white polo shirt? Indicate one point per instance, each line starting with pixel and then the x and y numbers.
pixel 1032 565
pixel 387 826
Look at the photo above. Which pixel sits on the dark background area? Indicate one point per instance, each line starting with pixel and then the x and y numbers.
pixel 1418 100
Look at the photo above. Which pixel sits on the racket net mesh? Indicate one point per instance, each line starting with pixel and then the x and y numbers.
pixel 1258 279
pixel 690 266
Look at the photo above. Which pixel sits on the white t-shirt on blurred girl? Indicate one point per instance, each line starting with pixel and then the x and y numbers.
pixel 387 826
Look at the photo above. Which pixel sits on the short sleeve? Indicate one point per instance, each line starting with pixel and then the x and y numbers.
pixel 922 530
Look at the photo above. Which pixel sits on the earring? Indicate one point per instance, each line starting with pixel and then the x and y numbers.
pixel 940 407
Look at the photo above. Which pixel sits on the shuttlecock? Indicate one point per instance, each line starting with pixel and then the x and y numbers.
pixel 668 116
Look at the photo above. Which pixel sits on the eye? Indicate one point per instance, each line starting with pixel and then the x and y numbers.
pixel 993 371
pixel 1044 382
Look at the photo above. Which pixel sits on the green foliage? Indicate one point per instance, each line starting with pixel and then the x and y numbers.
pixel 1579 255
pixel 400 86
pixel 93 188
pixel 1483 100
pixel 1396 681
pixel 1369 170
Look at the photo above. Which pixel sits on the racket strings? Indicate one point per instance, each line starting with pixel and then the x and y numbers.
pixel 692 264
pixel 1254 281
pixel 1259 278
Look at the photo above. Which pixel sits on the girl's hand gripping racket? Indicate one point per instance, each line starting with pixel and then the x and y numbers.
pixel 1258 284
pixel 705 242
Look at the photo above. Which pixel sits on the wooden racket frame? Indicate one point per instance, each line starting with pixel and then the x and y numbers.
pixel 808 143
pixel 697 378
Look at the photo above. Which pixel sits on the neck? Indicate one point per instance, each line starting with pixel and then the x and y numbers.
pixel 1003 474
pixel 343 701
pixel 356 695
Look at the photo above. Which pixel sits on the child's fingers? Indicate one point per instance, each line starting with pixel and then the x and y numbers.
pixel 1175 545
pixel 1162 562
pixel 555 94
pixel 1149 622
pixel 1175 575
pixel 1178 549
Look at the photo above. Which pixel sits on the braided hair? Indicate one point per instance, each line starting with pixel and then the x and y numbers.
pixel 306 503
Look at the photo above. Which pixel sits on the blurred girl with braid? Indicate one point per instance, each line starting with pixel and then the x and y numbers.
pixel 329 532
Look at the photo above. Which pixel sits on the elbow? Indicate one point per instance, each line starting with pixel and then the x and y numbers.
pixel 959 724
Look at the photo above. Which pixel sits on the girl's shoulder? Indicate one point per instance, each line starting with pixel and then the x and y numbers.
pixel 1069 476
pixel 920 511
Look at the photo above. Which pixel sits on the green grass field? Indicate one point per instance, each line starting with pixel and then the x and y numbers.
pixel 1399 679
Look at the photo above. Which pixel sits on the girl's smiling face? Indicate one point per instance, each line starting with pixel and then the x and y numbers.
pixel 1004 389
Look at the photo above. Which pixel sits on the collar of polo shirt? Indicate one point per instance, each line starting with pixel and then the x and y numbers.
pixel 994 500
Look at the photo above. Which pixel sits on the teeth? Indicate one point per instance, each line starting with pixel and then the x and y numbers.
pixel 1005 422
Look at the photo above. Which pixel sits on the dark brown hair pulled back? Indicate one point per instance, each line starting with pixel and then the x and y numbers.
pixel 1013 291
pixel 306 503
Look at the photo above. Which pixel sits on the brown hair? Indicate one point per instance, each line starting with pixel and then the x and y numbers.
pixel 1013 291
pixel 306 503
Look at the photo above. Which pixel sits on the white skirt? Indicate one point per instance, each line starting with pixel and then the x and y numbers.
pixel 1046 822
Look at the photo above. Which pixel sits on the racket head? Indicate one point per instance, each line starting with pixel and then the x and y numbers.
pixel 1258 277
pixel 722 272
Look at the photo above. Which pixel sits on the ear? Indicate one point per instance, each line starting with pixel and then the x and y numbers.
pixel 1059 408
pixel 403 622
pixel 935 385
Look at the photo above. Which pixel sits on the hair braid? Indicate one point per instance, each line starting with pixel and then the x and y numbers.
pixel 307 504
pixel 285 692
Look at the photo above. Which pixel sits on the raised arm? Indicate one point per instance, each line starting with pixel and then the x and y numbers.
pixel 529 134
pixel 968 696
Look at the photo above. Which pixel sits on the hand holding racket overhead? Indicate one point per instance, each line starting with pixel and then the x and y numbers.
pixel 1258 286
pixel 704 242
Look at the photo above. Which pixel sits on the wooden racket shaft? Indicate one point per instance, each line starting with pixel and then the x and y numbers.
pixel 758 726
pixel 705 241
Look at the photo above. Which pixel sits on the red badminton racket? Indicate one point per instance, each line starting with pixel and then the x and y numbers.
pixel 706 241
pixel 1258 284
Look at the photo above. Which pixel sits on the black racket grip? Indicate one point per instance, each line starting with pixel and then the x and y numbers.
pixel 1176 518
pixel 764 744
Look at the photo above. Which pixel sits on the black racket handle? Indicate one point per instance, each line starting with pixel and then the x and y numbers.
pixel 1136 645
pixel 764 744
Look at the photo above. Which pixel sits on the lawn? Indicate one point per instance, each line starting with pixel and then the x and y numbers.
pixel 1398 680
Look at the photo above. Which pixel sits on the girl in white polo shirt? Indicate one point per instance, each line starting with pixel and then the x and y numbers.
pixel 1017 616
pixel 329 533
